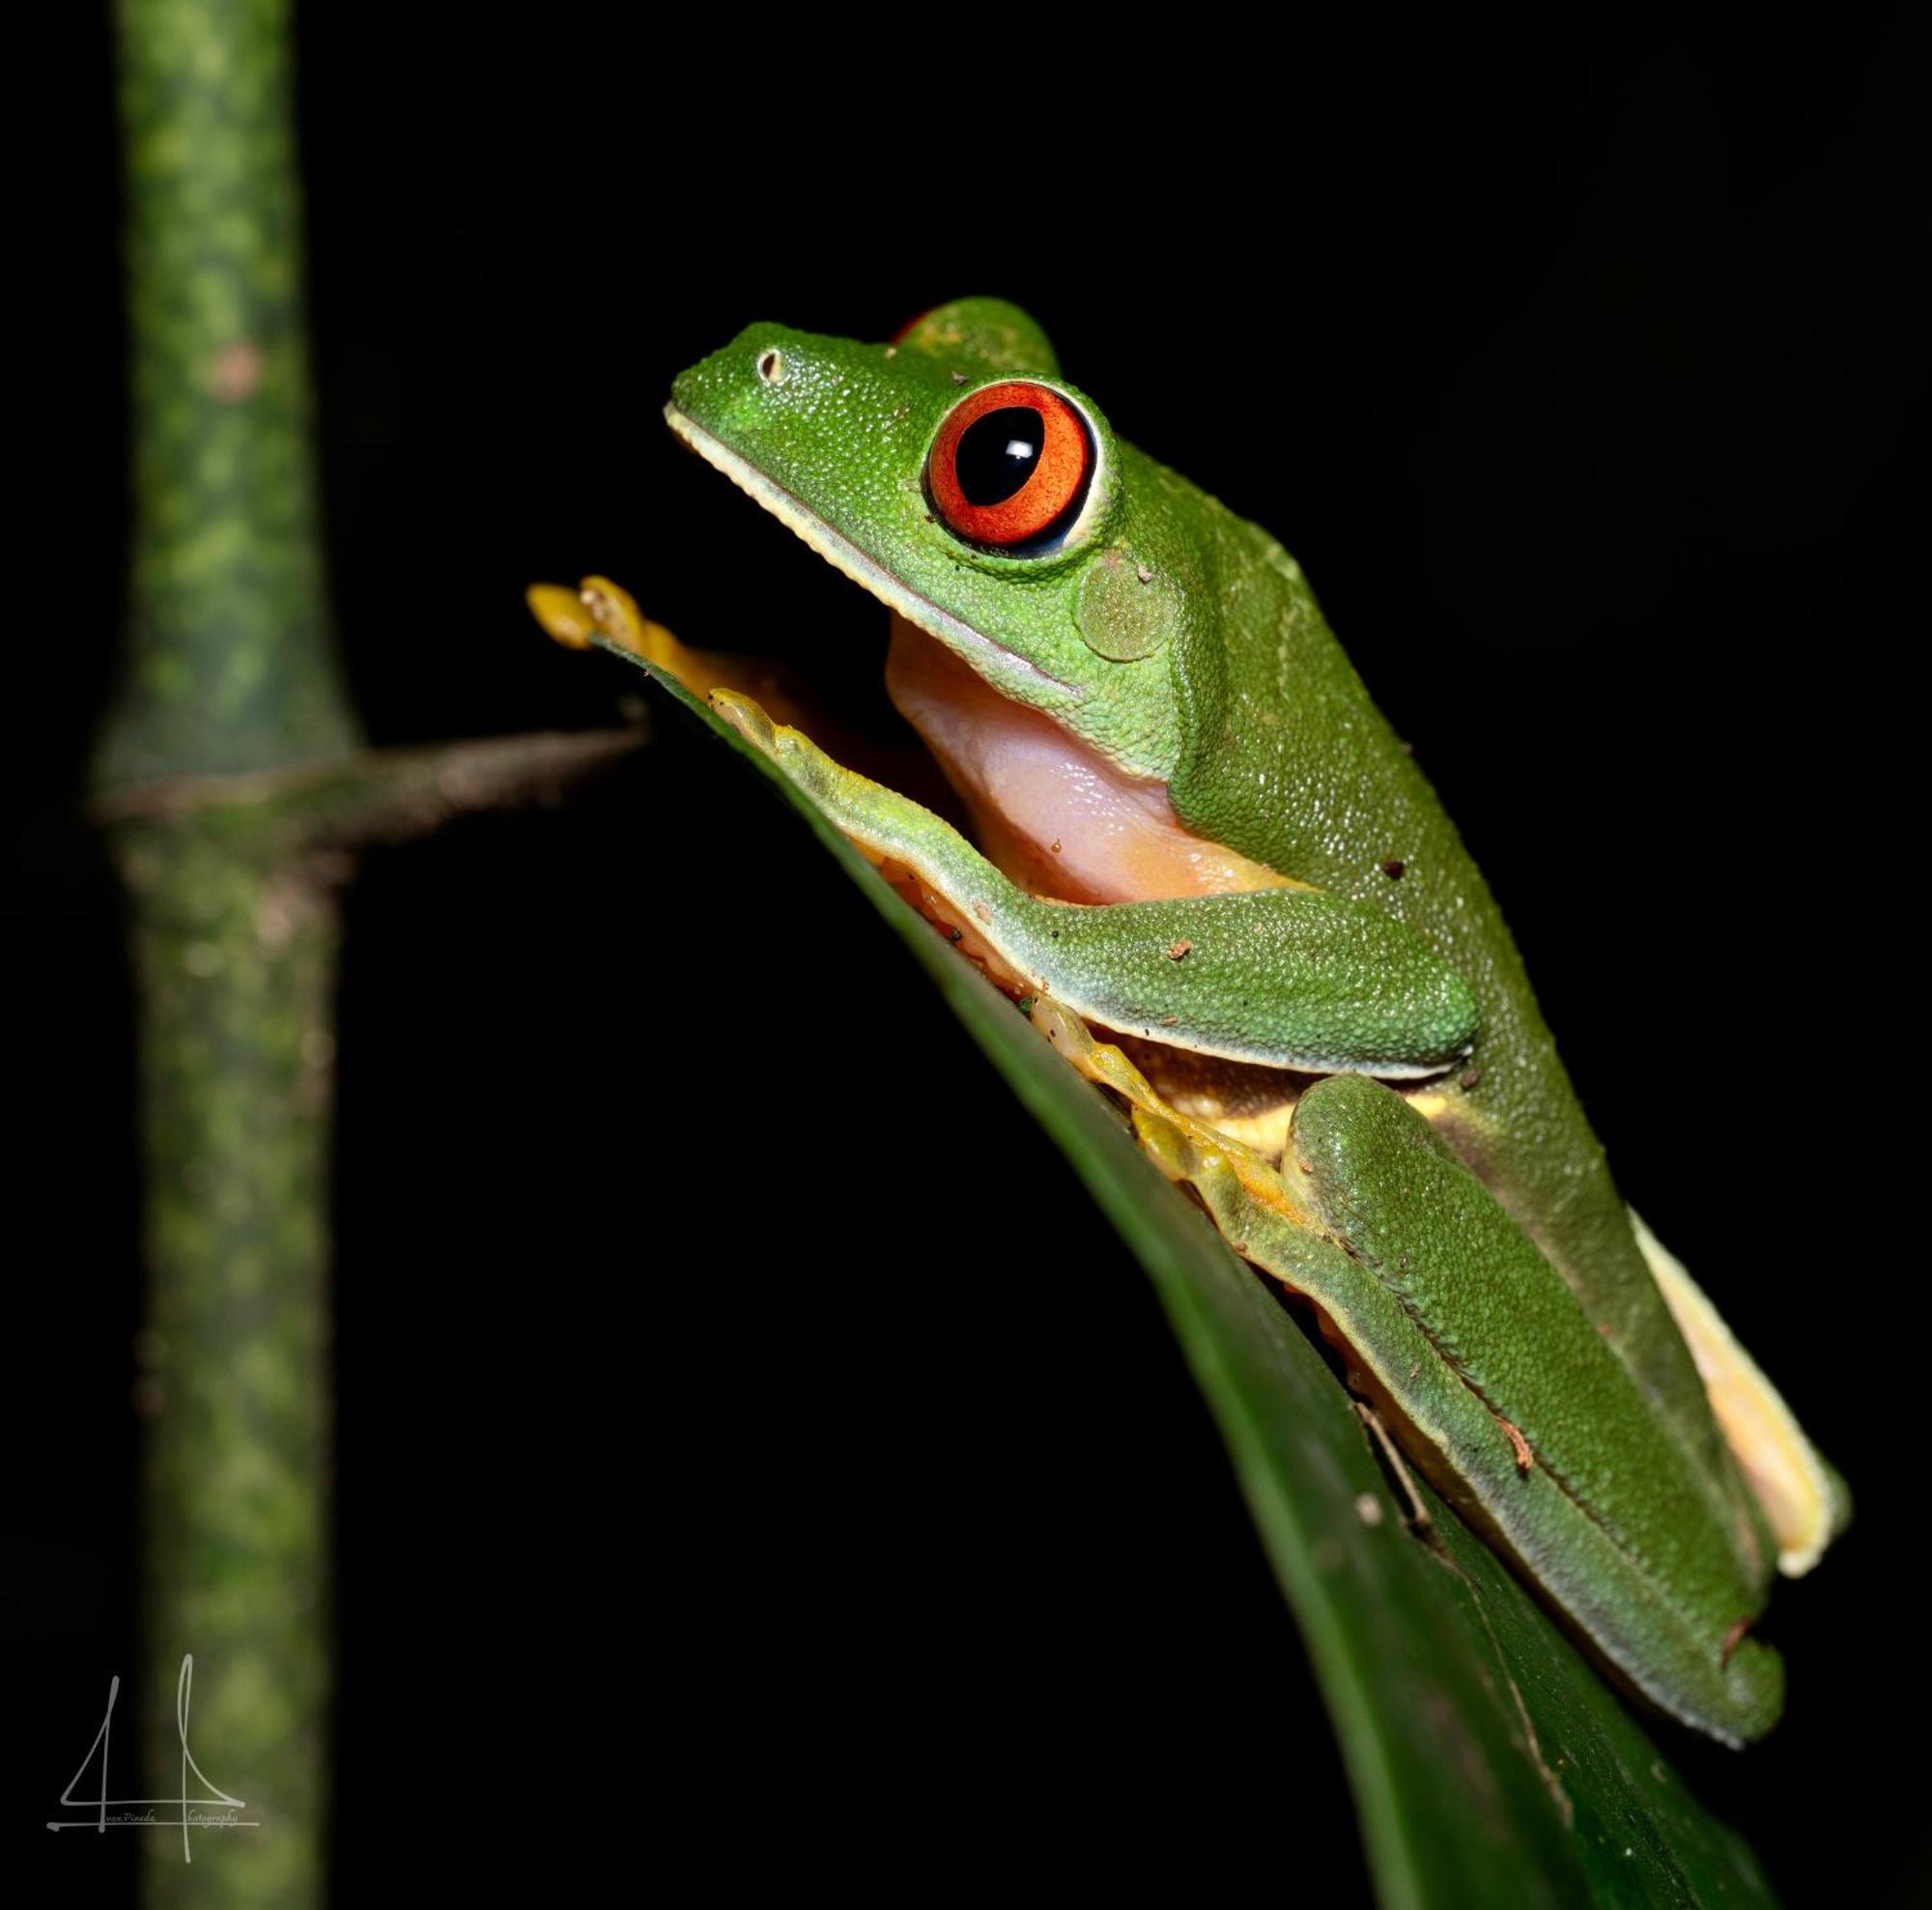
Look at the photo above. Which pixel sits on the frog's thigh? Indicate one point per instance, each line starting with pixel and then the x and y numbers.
pixel 1471 1343
pixel 1288 978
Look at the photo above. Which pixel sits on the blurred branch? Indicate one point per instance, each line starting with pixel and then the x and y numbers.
pixel 233 773
pixel 380 795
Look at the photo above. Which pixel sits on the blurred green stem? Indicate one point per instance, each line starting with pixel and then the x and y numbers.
pixel 229 665
pixel 229 668
pixel 234 955
pixel 232 771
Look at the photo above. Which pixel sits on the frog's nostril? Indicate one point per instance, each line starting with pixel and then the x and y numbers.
pixel 771 366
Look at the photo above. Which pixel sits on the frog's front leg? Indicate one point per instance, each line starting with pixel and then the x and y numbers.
pixel 1289 977
pixel 1286 978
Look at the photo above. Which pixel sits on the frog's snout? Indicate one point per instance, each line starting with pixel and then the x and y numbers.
pixel 734 388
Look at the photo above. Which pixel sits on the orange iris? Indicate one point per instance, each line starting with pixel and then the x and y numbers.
pixel 1014 477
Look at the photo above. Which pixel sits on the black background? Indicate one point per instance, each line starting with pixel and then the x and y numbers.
pixel 756 1458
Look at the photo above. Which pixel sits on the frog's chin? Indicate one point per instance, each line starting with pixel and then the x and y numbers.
pixel 1008 673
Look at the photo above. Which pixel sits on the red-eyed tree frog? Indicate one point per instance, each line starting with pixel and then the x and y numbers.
pixel 1193 833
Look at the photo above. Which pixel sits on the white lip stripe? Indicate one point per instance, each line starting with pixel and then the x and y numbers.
pixel 994 661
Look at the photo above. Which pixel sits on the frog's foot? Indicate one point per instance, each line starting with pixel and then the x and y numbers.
pixel 599 613
pixel 1249 1104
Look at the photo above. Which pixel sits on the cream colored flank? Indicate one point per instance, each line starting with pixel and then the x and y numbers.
pixel 1799 1495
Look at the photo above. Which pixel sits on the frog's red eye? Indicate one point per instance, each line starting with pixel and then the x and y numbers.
pixel 1010 464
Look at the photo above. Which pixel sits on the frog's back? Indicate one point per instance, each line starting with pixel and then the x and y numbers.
pixel 1290 763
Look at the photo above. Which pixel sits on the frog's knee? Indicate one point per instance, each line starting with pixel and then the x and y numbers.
pixel 1354 1109
pixel 1349 1130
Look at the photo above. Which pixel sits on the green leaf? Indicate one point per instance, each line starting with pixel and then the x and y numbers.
pixel 1490 1762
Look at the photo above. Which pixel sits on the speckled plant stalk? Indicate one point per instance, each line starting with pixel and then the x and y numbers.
pixel 233 778
pixel 235 954
pixel 229 668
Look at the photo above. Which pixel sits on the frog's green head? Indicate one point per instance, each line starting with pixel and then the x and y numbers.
pixel 958 477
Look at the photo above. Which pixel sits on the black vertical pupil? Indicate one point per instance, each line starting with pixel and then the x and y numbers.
pixel 998 453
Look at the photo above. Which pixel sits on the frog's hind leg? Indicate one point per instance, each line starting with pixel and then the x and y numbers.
pixel 1804 1495
pixel 1531 1429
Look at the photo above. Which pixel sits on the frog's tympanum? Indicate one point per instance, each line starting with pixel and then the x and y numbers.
pixel 1194 832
